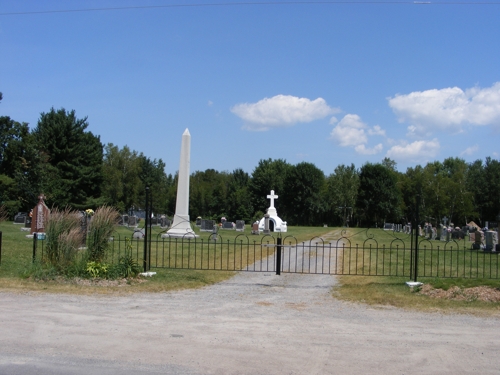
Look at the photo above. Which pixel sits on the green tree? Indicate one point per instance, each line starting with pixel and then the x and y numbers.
pixel 208 194
pixel 152 175
pixel 239 203
pixel 378 196
pixel 20 173
pixel 72 173
pixel 122 182
pixel 302 198
pixel 341 193
pixel 268 175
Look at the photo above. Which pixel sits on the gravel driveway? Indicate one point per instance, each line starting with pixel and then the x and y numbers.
pixel 254 323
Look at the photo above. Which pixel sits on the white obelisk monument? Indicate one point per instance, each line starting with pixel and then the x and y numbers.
pixel 181 227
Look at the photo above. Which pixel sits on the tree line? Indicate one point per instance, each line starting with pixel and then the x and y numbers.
pixel 69 164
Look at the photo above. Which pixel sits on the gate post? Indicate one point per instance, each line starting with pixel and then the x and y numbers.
pixel 34 246
pixel 145 261
pixel 278 255
pixel 417 219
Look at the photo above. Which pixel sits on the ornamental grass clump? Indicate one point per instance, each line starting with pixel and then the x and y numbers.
pixel 100 229
pixel 63 238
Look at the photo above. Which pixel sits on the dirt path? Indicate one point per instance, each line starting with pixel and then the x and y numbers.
pixel 254 323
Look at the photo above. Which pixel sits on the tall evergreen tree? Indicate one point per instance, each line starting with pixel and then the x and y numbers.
pixel 73 168
pixel 19 166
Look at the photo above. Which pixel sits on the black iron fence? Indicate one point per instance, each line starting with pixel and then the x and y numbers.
pixel 396 256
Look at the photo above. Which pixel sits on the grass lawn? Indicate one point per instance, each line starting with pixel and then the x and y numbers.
pixel 393 291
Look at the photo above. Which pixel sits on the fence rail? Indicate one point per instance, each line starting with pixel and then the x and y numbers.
pixel 341 256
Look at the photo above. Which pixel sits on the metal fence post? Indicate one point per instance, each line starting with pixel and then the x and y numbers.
pixel 417 219
pixel 145 262
pixel 34 246
pixel 278 255
pixel 150 229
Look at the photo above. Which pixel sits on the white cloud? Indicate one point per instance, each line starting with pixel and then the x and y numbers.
pixel 448 109
pixel 470 150
pixel 281 110
pixel 351 131
pixel 415 151
pixel 210 103
pixel 377 130
pixel 361 149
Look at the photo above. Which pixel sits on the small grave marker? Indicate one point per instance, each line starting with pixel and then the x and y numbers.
pixel 240 225
pixel 40 216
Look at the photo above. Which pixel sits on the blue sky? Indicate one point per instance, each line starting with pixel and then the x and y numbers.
pixel 330 83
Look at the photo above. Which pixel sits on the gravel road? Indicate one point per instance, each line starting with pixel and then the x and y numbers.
pixel 254 323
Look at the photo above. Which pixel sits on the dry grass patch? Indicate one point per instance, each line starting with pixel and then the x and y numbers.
pixel 392 291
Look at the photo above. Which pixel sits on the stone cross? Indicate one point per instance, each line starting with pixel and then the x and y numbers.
pixel 272 197
pixel 445 220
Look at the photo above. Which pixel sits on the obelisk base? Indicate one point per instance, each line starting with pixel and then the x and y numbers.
pixel 181 228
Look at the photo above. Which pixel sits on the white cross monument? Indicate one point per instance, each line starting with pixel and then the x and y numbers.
pixel 276 224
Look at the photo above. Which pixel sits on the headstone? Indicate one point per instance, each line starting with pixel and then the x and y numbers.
pixel 215 229
pixel 240 225
pixel 255 228
pixel 20 218
pixel 227 225
pixel 478 240
pixel 132 221
pixel 388 226
pixel 434 233
pixel 420 231
pixel 198 221
pixel 266 223
pixel 207 225
pixel 491 239
pixel 40 216
pixel 125 219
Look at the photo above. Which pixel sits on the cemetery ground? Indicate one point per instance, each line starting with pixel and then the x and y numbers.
pixel 438 294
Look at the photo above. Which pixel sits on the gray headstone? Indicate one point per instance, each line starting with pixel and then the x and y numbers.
pixel 240 225
pixel 388 226
pixel 491 240
pixel 207 225
pixel 132 221
pixel 227 225
pixel 266 224
pixel 20 218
